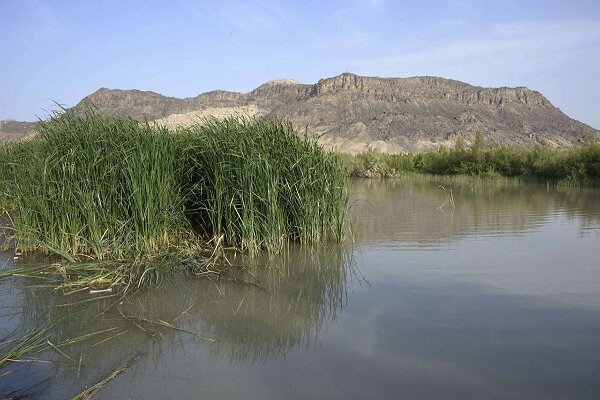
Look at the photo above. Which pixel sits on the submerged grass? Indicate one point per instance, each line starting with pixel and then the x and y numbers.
pixel 94 188
pixel 89 392
pixel 20 346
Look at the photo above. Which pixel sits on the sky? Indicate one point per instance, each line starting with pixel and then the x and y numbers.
pixel 61 51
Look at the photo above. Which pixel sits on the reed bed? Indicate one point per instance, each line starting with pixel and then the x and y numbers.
pixel 120 204
pixel 103 187
pixel 260 185
pixel 95 188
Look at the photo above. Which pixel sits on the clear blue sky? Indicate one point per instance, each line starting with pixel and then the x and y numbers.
pixel 63 50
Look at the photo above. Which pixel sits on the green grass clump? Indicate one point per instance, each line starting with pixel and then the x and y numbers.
pixel 3 179
pixel 260 185
pixel 112 188
pixel 93 185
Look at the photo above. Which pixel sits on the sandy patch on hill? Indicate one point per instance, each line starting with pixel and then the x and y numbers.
pixel 193 117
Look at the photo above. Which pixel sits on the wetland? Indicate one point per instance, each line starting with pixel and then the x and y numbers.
pixel 494 295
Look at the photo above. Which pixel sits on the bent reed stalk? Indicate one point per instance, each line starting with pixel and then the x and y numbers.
pixel 103 188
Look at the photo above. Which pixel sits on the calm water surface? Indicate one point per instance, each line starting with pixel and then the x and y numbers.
pixel 495 298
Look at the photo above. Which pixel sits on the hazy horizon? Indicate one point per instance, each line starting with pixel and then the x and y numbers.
pixel 64 50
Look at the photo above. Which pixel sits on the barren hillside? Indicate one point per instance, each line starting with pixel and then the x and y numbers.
pixel 354 113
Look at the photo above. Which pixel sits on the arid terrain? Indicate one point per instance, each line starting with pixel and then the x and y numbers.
pixel 355 113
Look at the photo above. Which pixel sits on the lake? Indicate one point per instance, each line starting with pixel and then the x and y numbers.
pixel 466 290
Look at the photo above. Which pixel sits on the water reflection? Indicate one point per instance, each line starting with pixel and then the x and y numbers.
pixel 293 299
pixel 300 294
pixel 407 211
pixel 498 297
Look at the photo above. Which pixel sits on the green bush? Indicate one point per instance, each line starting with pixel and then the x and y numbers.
pixel 579 164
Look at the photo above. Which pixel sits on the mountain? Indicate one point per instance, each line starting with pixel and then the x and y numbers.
pixel 12 130
pixel 354 113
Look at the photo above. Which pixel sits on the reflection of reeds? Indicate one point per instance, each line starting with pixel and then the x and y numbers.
pixel 449 196
pixel 303 293
pixel 293 297
pixel 399 209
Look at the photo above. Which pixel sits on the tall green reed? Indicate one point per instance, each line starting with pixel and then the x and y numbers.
pixel 95 185
pixel 114 188
pixel 258 184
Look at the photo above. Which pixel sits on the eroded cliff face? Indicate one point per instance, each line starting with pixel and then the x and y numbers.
pixel 355 113
pixel 427 88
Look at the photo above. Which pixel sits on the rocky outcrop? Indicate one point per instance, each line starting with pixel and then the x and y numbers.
pixel 354 113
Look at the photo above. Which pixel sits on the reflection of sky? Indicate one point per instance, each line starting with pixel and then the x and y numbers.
pixel 431 339
pixel 554 262
pixel 527 240
pixel 420 332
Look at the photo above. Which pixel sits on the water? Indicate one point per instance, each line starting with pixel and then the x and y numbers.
pixel 497 297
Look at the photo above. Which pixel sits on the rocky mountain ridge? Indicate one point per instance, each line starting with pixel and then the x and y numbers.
pixel 355 113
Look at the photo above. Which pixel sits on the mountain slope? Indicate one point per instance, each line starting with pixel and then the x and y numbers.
pixel 355 113
pixel 13 130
